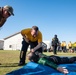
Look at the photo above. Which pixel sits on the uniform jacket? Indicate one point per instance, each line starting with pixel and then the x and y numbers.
pixel 2 19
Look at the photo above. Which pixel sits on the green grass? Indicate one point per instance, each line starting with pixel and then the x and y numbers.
pixel 9 60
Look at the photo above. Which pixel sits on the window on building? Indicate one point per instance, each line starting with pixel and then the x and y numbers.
pixel 10 46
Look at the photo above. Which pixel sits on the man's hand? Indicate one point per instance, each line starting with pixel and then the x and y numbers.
pixel 32 50
pixel 63 70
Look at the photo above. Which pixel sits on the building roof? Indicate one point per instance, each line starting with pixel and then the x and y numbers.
pixel 11 35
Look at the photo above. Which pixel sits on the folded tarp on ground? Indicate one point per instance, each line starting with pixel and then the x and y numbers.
pixel 37 69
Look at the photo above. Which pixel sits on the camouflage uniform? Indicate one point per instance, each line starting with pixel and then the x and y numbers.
pixel 2 19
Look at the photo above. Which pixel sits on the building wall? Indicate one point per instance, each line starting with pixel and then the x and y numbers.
pixel 13 43
pixel 48 44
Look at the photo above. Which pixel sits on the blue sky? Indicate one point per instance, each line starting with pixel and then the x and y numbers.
pixel 51 16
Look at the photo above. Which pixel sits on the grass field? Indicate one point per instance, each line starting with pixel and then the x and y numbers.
pixel 9 60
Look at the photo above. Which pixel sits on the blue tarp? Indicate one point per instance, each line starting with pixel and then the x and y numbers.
pixel 37 69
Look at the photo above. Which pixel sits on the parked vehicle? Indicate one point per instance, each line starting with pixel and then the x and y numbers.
pixel 44 46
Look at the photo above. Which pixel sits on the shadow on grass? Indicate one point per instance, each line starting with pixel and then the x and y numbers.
pixel 9 65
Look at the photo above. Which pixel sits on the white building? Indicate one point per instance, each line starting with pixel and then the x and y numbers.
pixel 48 44
pixel 14 42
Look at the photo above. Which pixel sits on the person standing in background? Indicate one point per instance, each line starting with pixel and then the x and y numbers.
pixel 62 45
pixel 64 50
pixel 55 43
pixel 70 46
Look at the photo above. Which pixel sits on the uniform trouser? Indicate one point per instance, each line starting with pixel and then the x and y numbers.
pixel 25 47
pixel 64 49
pixel 55 49
pixel 62 60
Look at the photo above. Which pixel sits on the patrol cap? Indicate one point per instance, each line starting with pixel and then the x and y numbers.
pixel 9 9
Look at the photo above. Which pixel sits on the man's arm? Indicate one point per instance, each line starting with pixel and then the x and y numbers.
pixel 39 43
pixel 44 61
pixel 38 46
pixel 2 21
